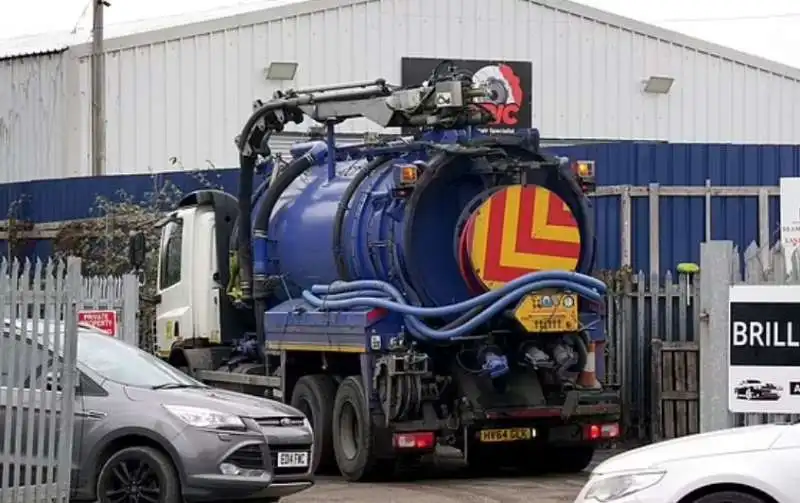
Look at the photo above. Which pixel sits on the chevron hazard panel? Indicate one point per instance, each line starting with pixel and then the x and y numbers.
pixel 519 230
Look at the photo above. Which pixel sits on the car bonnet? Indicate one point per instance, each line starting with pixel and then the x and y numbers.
pixel 215 399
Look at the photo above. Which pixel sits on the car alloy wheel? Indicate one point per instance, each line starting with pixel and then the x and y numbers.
pixel 133 480
pixel 748 394
pixel 138 475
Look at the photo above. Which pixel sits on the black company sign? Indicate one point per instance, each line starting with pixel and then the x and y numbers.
pixel 509 82
pixel 765 334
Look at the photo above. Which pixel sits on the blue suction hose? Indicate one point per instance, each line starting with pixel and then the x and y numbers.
pixel 373 293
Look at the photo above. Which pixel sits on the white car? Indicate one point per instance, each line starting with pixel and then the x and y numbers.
pixel 753 464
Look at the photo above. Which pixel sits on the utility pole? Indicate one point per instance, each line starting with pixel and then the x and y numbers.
pixel 98 90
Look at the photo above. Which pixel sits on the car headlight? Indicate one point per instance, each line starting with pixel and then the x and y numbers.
pixel 206 418
pixel 617 486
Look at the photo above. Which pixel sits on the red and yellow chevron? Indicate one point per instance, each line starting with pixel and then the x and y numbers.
pixel 519 230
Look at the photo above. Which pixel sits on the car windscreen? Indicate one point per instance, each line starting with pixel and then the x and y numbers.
pixel 110 358
pixel 126 364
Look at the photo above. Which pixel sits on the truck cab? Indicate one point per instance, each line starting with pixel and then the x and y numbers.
pixel 193 272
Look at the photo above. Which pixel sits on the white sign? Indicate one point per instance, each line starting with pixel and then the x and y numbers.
pixel 764 349
pixel 790 218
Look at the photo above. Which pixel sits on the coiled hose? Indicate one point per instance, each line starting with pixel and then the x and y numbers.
pixel 374 293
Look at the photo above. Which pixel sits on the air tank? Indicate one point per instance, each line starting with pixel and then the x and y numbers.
pixel 442 224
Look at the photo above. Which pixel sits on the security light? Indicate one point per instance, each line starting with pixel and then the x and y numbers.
pixel 658 85
pixel 278 70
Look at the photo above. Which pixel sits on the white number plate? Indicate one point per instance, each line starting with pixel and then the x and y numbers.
pixel 292 459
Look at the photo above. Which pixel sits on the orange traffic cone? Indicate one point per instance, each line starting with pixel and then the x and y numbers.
pixel 588 377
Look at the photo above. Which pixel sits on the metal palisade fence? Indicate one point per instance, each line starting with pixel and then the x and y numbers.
pixel 38 351
pixel 119 294
pixel 724 265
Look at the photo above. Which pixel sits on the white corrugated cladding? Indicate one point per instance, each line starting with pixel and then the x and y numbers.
pixel 35 136
pixel 184 92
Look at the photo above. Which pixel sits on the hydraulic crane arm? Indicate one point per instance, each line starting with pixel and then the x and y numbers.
pixel 448 100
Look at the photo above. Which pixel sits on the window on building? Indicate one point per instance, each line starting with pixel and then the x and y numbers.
pixel 171 254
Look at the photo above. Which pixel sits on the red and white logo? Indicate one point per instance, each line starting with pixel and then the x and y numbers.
pixel 505 92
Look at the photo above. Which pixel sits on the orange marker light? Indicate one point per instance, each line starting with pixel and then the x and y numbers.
pixel 584 169
pixel 408 173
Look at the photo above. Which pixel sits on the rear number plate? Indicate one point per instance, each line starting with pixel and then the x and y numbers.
pixel 508 435
pixel 292 459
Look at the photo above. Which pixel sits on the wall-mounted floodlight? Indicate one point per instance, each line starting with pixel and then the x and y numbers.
pixel 281 70
pixel 658 85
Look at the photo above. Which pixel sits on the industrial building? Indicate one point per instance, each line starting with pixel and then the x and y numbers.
pixel 177 95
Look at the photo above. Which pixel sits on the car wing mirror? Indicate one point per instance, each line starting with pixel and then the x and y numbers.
pixel 137 250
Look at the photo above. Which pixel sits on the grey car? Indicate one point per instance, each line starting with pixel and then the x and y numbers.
pixel 147 432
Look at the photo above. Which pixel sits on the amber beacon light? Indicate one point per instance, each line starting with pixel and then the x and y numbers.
pixel 584 171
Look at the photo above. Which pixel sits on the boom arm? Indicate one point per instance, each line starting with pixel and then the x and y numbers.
pixel 448 100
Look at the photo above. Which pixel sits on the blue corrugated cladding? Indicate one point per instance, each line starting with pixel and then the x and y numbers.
pixel 682 219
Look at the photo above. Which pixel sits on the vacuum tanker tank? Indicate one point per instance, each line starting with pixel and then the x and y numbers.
pixel 441 228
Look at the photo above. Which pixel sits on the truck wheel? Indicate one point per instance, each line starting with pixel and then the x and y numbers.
pixel 571 459
pixel 353 440
pixel 313 395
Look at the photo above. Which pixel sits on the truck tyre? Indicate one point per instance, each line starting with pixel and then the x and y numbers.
pixel 353 439
pixel 313 395
pixel 571 459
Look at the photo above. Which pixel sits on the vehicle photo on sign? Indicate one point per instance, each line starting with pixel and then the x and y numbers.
pixel 509 83
pixel 764 349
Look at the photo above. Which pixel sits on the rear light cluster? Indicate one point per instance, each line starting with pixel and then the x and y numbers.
pixel 606 431
pixel 418 441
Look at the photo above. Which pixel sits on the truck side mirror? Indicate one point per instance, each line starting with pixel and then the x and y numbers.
pixel 137 250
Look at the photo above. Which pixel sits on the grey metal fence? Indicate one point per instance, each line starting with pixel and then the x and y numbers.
pixel 38 345
pixel 724 265
pixel 118 294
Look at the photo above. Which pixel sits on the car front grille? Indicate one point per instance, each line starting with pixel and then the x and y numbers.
pixel 277 422
pixel 273 454
pixel 250 457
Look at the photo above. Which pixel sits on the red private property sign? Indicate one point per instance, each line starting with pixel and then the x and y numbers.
pixel 105 320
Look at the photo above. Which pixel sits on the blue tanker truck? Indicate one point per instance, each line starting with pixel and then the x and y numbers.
pixel 403 293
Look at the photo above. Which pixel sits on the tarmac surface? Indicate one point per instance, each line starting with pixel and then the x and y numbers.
pixel 444 481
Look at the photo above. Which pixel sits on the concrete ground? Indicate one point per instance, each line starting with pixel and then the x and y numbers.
pixel 444 481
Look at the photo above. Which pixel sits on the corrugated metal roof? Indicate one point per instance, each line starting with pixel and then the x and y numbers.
pixel 34 45
pixel 183 19
pixel 48 43
pixel 253 11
